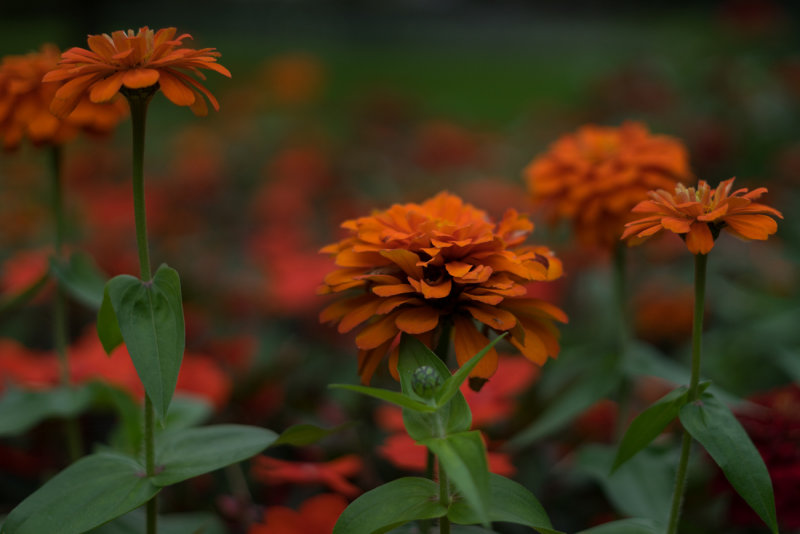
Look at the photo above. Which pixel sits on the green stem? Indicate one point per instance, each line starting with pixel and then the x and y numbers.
pixel 623 339
pixel 60 326
pixel 444 498
pixel 700 261
pixel 138 101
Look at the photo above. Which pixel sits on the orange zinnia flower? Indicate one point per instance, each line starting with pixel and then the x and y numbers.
pixel 595 176
pixel 417 265
pixel 134 61
pixel 698 215
pixel 25 102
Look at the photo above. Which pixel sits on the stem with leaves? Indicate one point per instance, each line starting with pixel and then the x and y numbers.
pixel 700 261
pixel 442 351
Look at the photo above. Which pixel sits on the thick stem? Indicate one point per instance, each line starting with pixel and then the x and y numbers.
pixel 138 101
pixel 60 326
pixel 700 261
pixel 444 498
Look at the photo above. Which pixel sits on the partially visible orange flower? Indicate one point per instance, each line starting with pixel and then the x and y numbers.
pixel 316 515
pixel 333 474
pixel 134 61
pixel 415 266
pixel 25 104
pixel 699 214
pixel 594 177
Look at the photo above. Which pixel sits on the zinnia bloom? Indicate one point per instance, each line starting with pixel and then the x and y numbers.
pixel 698 215
pixel 134 61
pixel 594 177
pixel 416 266
pixel 317 515
pixel 25 102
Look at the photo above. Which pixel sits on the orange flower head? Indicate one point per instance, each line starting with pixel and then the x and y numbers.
pixel 593 177
pixel 124 61
pixel 414 267
pixel 699 214
pixel 25 102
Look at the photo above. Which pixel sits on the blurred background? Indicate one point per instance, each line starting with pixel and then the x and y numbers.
pixel 338 108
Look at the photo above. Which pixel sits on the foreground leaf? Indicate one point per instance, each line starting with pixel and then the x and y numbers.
pixel 451 386
pixel 81 278
pixel 391 505
pixel 649 424
pixel 92 491
pixel 192 523
pixel 712 424
pixel 305 434
pixel 389 396
pixel 463 457
pixel 509 502
pixel 21 410
pixel 150 318
pixel 187 453
pixel 626 526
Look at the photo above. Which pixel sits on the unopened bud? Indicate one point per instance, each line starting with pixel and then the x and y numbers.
pixel 426 381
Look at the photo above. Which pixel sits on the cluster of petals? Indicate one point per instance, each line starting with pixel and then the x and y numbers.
pixel 333 474
pixel 593 177
pixel 412 267
pixel 316 515
pixel 25 104
pixel 699 214
pixel 134 61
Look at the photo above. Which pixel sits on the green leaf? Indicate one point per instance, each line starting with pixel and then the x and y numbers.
pixel 305 434
pixel 92 491
pixel 186 411
pixel 391 505
pixel 150 317
pixel 107 325
pixel 509 502
pixel 463 457
pixel 21 410
pixel 653 468
pixel 388 396
pixel 712 424
pixel 451 386
pixel 453 417
pixel 626 526
pixel 649 424
pixel 594 384
pixel 191 523
pixel 81 278
pixel 186 453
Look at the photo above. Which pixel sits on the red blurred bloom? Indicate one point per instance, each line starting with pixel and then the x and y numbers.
pixel 594 177
pixel 25 104
pixel 23 270
pixel 25 368
pixel 333 474
pixel 134 61
pixel 415 265
pixel 317 515
pixel 698 215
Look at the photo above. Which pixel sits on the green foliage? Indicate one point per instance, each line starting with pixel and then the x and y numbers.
pixel 649 424
pixel 186 453
pixel 391 505
pixel 626 526
pixel 712 424
pixel 508 502
pixel 134 523
pixel 92 491
pixel 305 434
pixel 150 319
pixel 21 410
pixel 389 396
pixel 81 278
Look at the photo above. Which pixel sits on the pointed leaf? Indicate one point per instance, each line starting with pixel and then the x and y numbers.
pixel 389 396
pixel 626 526
pixel 81 278
pixel 150 317
pixel 305 434
pixel 20 410
pixel 649 424
pixel 712 424
pixel 107 326
pixel 509 502
pixel 92 491
pixel 391 505
pixel 184 454
pixel 463 457
pixel 451 386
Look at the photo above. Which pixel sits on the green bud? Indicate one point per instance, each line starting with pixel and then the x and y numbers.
pixel 425 381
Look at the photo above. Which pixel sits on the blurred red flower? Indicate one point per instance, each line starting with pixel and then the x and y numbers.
pixel 134 61
pixel 594 177
pixel 316 515
pixel 698 215
pixel 333 474
pixel 414 266
pixel 23 270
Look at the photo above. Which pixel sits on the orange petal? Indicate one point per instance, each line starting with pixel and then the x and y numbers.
pixel 139 78
pixel 378 332
pixel 699 239
pixel 468 342
pixel 69 94
pixel 175 90
pixel 389 290
pixel 751 226
pixel 496 318
pixel 418 320
pixel 405 259
pixel 358 315
pixel 104 90
pixel 438 291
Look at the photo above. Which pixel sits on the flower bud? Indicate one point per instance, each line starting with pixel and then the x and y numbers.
pixel 425 381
